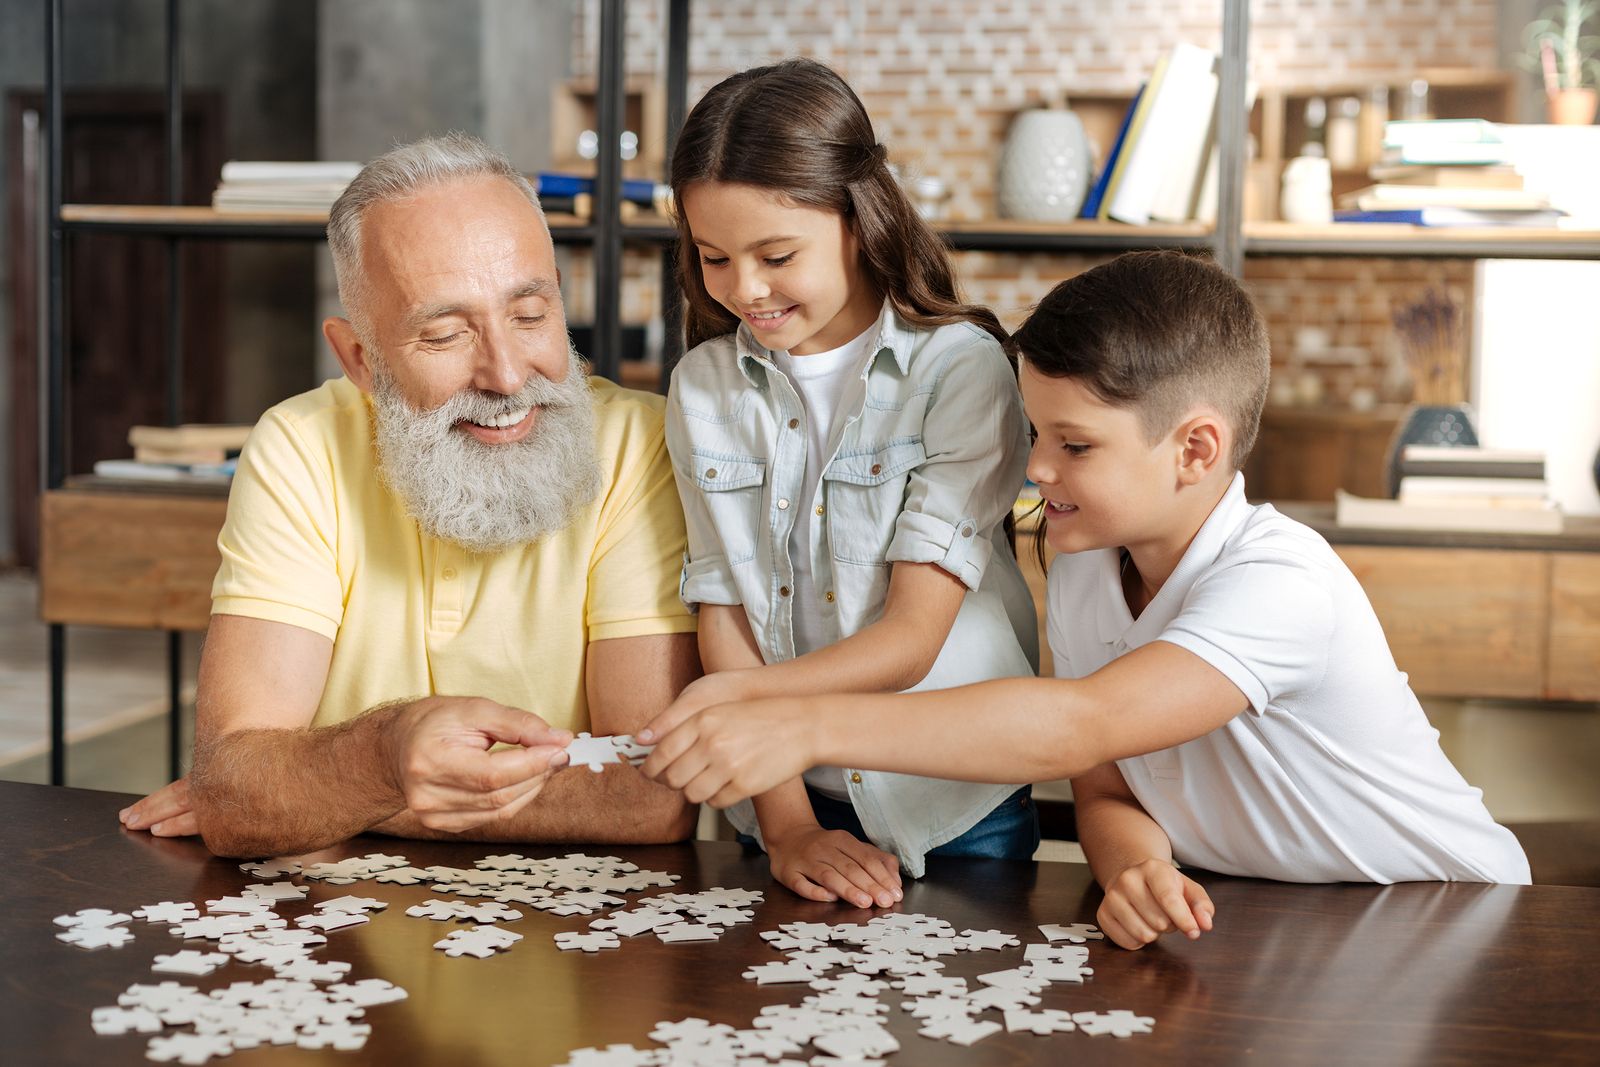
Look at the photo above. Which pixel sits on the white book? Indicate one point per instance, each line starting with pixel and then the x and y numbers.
pixel 1184 100
pixel 1188 156
pixel 1423 485
pixel 1384 197
pixel 1472 454
pixel 1358 511
pixel 268 171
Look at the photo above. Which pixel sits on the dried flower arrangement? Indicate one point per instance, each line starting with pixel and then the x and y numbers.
pixel 1430 332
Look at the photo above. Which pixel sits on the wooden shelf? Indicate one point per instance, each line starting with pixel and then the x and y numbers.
pixel 1012 235
pixel 160 220
pixel 1384 239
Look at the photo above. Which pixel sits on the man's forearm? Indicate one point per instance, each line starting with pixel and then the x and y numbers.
pixel 273 792
pixel 616 807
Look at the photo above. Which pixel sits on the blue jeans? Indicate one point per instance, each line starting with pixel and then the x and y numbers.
pixel 1009 832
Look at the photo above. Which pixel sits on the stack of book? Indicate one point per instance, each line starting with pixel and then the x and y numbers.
pixel 1158 167
pixel 273 188
pixel 1486 490
pixel 192 453
pixel 1446 172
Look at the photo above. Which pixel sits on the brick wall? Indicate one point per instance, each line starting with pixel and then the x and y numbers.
pixel 942 79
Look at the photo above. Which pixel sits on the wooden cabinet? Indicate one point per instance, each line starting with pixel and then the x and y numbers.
pixel 1574 659
pixel 129 559
pixel 1306 453
pixel 1460 622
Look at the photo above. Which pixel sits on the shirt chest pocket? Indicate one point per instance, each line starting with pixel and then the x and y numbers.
pixel 732 489
pixel 864 493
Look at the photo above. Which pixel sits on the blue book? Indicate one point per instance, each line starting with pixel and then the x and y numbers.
pixel 1091 203
pixel 1453 216
pixel 638 190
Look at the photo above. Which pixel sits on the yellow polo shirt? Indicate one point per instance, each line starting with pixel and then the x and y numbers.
pixel 314 539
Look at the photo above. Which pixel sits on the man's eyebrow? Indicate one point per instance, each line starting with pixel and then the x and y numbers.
pixel 428 312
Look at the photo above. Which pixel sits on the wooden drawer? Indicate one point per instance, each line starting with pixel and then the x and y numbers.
pixel 128 559
pixel 1461 622
pixel 1574 672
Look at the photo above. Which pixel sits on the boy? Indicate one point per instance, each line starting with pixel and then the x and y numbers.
pixel 1225 696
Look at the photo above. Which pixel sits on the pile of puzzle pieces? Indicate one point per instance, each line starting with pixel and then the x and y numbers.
pixel 849 967
pixel 307 1002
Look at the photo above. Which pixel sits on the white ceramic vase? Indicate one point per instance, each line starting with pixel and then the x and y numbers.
pixel 1044 167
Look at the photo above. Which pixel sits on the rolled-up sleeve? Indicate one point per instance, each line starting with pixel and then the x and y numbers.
pixel 976 440
pixel 707 578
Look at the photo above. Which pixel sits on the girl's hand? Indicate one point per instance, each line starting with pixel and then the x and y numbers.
pixel 833 865
pixel 1152 898
pixel 730 752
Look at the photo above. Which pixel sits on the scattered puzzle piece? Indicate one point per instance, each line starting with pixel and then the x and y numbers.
pixel 1116 1023
pixel 189 962
pixel 590 942
pixel 1042 1023
pixel 1077 933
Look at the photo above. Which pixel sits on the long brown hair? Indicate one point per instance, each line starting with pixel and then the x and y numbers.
pixel 797 129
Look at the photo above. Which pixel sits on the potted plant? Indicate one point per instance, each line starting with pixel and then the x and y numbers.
pixel 1430 334
pixel 1556 48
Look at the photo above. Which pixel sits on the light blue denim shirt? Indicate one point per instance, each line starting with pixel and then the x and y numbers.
pixel 926 457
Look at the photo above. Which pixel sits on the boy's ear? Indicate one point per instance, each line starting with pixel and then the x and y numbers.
pixel 1204 441
pixel 349 351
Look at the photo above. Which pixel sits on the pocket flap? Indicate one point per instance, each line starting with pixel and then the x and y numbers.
pixel 876 466
pixel 718 473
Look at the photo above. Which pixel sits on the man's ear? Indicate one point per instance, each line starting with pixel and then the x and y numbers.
pixel 349 351
pixel 1204 441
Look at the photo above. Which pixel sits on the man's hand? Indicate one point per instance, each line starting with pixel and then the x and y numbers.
pixel 1152 898
pixel 729 752
pixel 443 760
pixel 165 813
pixel 833 865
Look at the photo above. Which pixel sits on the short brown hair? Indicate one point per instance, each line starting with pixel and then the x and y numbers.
pixel 797 129
pixel 1158 332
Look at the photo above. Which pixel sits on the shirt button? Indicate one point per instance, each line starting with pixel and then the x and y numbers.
pixel 783 590
pixel 855 777
pixel 966 530
pixel 449 574
pixel 877 468
pixel 829 596
pixel 711 472
pixel 794 424
pixel 820 509
pixel 783 505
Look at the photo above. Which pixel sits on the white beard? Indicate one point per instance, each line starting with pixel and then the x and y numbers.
pixel 489 497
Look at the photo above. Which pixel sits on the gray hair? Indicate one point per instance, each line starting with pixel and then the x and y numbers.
pixel 397 174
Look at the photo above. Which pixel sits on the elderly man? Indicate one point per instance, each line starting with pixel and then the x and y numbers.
pixel 436 567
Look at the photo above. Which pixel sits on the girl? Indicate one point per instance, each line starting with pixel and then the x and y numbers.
pixel 848 441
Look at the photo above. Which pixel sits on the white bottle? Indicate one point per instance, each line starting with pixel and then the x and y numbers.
pixel 1307 190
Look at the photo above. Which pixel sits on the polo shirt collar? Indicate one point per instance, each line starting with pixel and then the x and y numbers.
pixel 1116 622
pixel 895 336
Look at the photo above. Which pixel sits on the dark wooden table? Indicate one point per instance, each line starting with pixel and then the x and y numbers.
pixel 1407 974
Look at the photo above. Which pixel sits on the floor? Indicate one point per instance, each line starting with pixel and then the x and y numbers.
pixel 1534 762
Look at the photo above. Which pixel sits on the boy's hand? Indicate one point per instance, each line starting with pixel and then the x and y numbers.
pixel 730 752
pixel 1152 898
pixel 833 865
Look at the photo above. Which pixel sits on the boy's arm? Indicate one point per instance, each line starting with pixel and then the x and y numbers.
pixel 814 863
pixel 1131 857
pixel 1010 730
pixel 893 653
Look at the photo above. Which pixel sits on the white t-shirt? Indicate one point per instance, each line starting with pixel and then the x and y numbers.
pixel 821 379
pixel 1332 773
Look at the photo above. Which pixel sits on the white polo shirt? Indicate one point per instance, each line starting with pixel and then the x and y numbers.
pixel 1332 773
